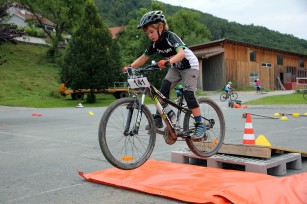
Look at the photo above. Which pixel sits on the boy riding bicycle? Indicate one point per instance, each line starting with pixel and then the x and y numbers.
pixel 257 85
pixel 185 65
pixel 228 88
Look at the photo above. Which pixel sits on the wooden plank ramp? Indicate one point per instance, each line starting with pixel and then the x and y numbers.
pixel 256 150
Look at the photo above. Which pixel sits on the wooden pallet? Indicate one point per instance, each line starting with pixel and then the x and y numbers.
pixel 276 165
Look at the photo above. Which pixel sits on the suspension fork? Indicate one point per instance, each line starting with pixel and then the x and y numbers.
pixel 131 107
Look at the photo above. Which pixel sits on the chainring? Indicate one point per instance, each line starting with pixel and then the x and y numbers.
pixel 168 137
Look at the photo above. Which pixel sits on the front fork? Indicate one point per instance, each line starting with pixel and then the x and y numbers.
pixel 136 104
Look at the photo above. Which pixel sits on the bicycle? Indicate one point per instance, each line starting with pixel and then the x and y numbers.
pixel 127 131
pixel 259 90
pixel 231 94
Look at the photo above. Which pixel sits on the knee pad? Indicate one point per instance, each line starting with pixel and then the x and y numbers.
pixel 165 88
pixel 190 98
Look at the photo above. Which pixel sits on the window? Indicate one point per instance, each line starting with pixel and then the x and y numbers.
pixel 301 62
pixel 291 70
pixel 280 60
pixel 269 65
pixel 252 77
pixel 302 73
pixel 252 55
pixel 291 73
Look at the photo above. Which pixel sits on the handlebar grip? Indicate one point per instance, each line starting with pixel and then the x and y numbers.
pixel 129 70
pixel 168 64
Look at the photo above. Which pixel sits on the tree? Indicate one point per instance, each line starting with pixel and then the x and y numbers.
pixel 91 57
pixel 186 24
pixel 65 14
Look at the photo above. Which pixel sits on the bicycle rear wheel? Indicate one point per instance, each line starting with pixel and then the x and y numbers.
pixel 215 125
pixel 233 96
pixel 126 151
pixel 223 97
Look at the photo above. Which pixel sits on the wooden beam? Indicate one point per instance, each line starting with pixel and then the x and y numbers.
pixel 246 150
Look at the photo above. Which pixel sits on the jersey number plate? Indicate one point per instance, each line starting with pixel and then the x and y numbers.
pixel 138 82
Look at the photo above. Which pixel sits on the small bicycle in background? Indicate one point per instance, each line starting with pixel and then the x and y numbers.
pixel 230 95
pixel 259 91
pixel 127 131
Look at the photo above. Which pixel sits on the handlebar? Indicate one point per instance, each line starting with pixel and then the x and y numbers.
pixel 154 66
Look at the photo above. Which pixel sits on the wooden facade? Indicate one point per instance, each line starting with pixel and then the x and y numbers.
pixel 228 60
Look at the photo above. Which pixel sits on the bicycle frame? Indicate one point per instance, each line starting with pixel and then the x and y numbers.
pixel 156 96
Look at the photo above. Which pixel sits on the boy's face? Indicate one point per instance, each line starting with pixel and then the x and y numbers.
pixel 152 33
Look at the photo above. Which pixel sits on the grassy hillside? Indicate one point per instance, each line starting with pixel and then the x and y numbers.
pixel 26 74
pixel 28 79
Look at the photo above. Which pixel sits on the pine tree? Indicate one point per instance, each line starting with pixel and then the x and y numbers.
pixel 90 60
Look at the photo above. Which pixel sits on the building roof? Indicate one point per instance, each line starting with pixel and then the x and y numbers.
pixel 28 16
pixel 229 41
pixel 116 30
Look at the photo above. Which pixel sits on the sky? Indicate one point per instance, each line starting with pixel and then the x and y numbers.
pixel 284 16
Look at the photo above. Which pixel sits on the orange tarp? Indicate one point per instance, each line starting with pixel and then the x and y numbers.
pixel 196 184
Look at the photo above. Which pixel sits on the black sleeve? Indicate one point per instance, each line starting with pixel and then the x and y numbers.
pixel 175 41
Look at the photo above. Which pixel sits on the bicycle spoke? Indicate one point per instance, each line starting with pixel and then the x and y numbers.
pixel 215 133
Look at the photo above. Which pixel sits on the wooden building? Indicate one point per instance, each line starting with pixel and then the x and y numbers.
pixel 242 63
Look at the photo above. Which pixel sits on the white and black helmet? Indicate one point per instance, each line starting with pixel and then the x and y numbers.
pixel 152 17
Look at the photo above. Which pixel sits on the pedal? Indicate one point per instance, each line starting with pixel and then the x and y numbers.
pixel 184 134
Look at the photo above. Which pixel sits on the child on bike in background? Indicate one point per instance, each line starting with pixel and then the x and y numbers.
pixel 257 84
pixel 185 65
pixel 228 88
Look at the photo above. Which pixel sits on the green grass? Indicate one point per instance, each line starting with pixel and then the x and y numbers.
pixel 29 79
pixel 296 98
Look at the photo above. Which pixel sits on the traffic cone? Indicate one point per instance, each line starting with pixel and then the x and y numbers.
pixel 79 106
pixel 248 137
pixel 262 141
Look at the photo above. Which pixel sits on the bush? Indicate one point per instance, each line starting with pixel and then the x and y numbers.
pixel 34 32
pixel 54 94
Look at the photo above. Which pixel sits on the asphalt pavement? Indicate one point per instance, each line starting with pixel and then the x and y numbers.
pixel 42 150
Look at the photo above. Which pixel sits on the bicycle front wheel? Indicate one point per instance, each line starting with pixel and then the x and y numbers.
pixel 215 129
pixel 233 96
pixel 126 150
pixel 223 97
